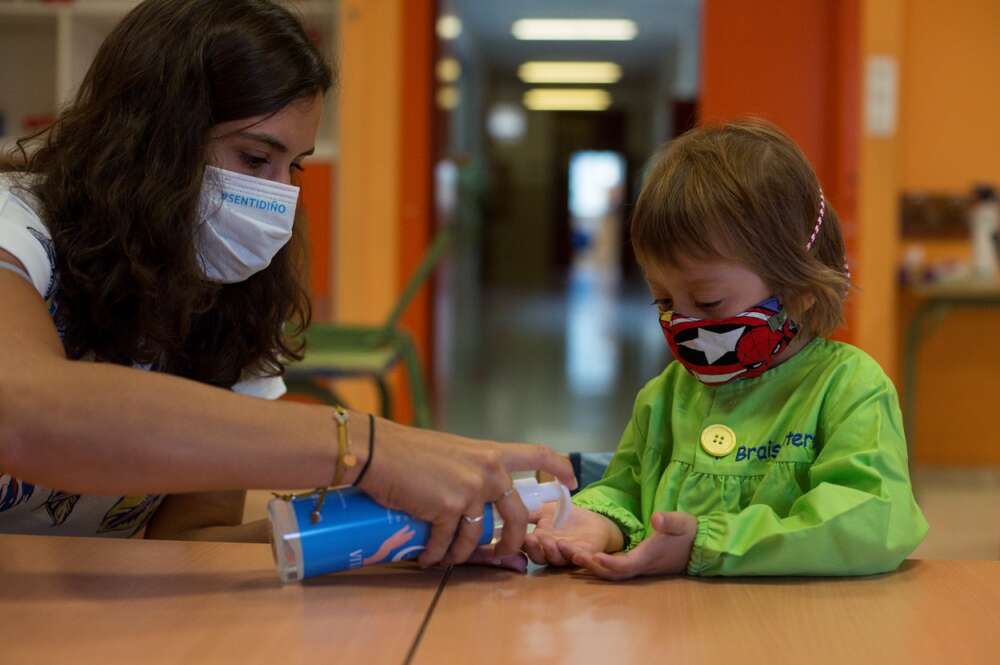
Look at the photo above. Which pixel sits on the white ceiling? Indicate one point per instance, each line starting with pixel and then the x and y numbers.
pixel 663 25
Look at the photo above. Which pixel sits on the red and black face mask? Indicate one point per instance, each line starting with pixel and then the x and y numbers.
pixel 718 351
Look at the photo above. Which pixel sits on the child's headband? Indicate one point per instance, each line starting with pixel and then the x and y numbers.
pixel 819 223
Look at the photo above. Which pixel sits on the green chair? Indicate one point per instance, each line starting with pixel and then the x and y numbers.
pixel 336 351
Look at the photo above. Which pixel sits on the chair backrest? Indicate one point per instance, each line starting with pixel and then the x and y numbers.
pixel 434 254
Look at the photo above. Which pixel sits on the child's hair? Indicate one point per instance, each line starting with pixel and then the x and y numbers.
pixel 744 191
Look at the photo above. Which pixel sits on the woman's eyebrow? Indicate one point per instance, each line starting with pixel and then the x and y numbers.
pixel 269 140
pixel 266 139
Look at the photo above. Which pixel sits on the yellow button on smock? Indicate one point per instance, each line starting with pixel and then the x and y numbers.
pixel 718 440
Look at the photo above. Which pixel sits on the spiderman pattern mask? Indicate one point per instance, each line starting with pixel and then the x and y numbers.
pixel 718 351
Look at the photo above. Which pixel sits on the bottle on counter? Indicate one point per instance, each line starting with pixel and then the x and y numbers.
pixel 350 530
pixel 984 224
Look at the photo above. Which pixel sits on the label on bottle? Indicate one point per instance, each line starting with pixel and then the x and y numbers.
pixel 354 531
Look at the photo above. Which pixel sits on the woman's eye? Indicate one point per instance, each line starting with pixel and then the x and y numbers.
pixel 253 161
pixel 708 305
pixel 297 167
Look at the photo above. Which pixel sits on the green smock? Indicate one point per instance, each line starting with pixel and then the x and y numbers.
pixel 816 484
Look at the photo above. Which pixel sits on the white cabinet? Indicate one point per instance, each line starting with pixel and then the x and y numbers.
pixel 46 48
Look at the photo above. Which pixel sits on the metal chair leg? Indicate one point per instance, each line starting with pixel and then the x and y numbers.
pixel 385 396
pixel 415 377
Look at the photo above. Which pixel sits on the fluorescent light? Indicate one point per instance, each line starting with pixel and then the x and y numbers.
pixel 448 70
pixel 569 72
pixel 567 99
pixel 618 29
pixel 506 122
pixel 448 98
pixel 449 26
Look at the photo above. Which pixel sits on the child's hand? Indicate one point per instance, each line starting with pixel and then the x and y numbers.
pixel 666 552
pixel 583 532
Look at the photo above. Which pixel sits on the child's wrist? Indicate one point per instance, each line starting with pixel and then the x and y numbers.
pixel 615 539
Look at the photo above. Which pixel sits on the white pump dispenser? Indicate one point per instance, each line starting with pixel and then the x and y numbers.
pixel 534 495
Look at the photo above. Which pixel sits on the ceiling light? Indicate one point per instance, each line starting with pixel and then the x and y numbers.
pixel 447 98
pixel 449 26
pixel 569 72
pixel 506 122
pixel 574 29
pixel 448 70
pixel 563 99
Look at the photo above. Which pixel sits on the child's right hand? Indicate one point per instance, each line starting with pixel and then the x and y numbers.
pixel 582 532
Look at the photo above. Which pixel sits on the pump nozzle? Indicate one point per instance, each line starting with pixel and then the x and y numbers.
pixel 534 494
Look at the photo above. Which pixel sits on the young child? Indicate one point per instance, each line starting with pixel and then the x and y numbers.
pixel 764 448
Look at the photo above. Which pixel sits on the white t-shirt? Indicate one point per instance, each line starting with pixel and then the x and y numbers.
pixel 28 508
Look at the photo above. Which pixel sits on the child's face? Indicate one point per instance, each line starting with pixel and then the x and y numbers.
pixel 705 288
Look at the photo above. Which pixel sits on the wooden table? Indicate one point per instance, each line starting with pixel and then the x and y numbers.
pixel 928 612
pixel 89 600
pixel 78 601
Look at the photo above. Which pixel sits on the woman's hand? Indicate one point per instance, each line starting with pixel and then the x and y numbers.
pixel 439 478
pixel 583 532
pixel 666 552
pixel 397 539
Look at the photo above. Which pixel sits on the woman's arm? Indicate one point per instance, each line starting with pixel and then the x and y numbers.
pixel 97 428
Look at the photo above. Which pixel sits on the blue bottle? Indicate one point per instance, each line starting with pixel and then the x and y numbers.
pixel 352 531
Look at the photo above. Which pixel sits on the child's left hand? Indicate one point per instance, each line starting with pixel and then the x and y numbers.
pixel 666 552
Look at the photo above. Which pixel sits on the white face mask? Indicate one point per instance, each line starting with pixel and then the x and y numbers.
pixel 244 222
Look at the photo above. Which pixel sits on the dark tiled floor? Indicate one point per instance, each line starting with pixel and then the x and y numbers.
pixel 559 367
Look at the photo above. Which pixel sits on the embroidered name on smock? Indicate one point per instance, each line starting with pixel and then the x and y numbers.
pixel 254 202
pixel 772 449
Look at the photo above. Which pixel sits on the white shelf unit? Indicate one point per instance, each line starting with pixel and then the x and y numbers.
pixel 46 49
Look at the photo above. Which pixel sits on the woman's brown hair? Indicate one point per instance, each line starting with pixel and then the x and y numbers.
pixel 119 174
pixel 744 191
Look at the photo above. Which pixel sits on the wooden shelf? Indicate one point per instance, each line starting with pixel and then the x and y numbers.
pixel 310 9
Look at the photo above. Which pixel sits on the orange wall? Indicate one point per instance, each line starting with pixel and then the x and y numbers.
pixel 950 94
pixel 384 168
pixel 771 58
pixel 416 166
pixel 796 64
pixel 878 201
pixel 950 140
pixel 317 183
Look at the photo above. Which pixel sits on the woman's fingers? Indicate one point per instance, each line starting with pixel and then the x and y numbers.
pixel 515 521
pixel 530 457
pixel 436 477
pixel 486 556
pixel 442 534
pixel 467 538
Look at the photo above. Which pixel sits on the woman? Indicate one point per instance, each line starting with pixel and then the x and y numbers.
pixel 147 280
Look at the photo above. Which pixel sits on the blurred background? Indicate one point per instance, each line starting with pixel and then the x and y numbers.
pixel 479 160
